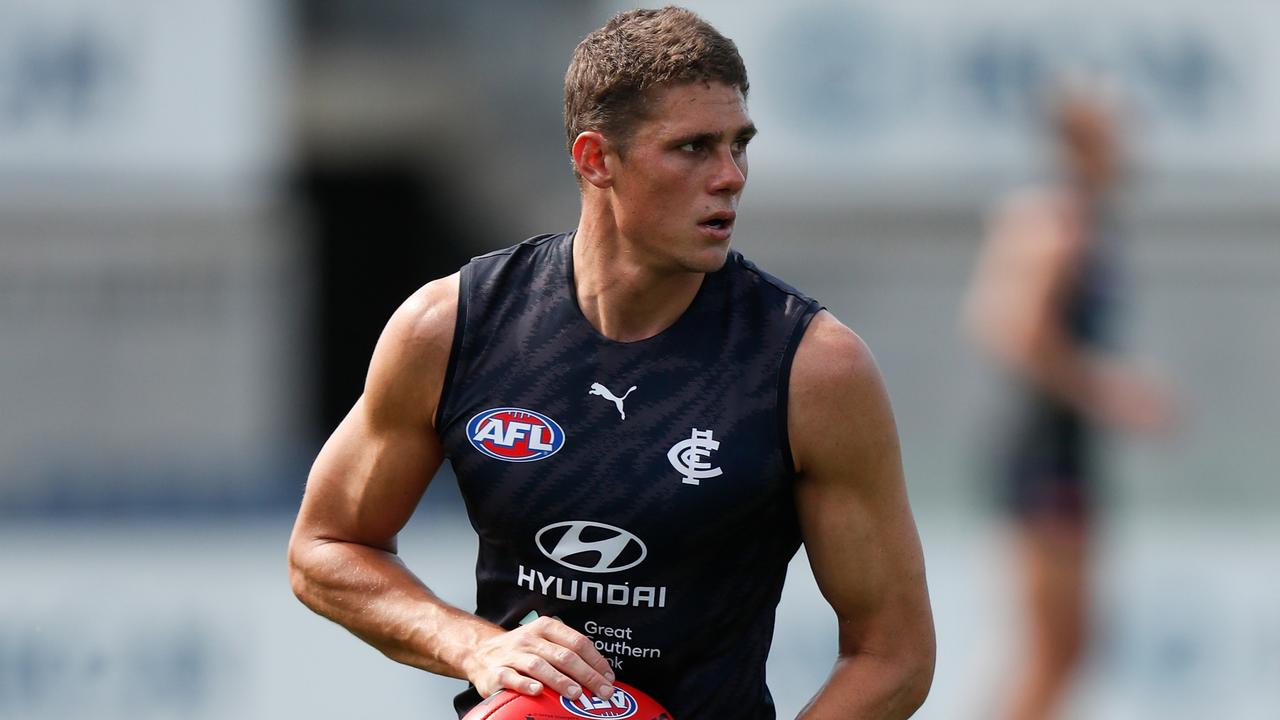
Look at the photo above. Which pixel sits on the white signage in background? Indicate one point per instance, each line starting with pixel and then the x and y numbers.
pixel 858 89
pixel 141 89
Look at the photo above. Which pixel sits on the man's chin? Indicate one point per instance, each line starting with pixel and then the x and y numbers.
pixel 709 260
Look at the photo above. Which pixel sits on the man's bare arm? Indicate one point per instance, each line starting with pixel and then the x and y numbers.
pixel 363 488
pixel 1015 311
pixel 858 529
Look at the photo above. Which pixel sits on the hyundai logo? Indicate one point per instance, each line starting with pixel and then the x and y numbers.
pixel 591 546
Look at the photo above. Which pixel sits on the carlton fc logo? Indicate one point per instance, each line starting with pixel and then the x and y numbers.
pixel 515 434
pixel 621 705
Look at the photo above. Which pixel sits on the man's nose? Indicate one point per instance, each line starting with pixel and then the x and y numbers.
pixel 731 174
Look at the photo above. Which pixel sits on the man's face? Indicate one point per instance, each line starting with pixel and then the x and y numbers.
pixel 677 183
pixel 1089 142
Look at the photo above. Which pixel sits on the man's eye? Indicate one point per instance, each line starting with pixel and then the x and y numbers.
pixel 691 146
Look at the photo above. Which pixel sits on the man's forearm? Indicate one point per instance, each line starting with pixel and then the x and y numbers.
pixel 371 593
pixel 869 687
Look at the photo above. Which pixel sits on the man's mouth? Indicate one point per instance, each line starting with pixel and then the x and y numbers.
pixel 719 221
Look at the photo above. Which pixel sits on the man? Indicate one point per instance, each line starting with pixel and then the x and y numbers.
pixel 1042 304
pixel 644 427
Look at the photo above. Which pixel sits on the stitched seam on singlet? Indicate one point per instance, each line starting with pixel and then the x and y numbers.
pixel 533 241
pixel 811 311
pixel 460 336
pixel 812 308
pixel 455 348
pixel 774 282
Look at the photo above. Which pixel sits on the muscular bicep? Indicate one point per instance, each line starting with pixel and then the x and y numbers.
pixel 851 497
pixel 368 479
pixel 370 475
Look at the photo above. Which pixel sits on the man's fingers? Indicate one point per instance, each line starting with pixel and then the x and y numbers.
pixel 570 663
pixel 546 654
pixel 510 679
pixel 541 669
pixel 575 655
pixel 564 635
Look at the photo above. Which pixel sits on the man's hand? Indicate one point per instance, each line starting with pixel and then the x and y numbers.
pixel 545 652
pixel 1133 399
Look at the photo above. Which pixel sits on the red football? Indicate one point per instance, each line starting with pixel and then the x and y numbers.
pixel 627 702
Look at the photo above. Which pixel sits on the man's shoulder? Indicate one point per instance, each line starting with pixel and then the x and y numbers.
pixel 428 314
pixel 831 350
pixel 1035 199
pixel 835 384
pixel 411 356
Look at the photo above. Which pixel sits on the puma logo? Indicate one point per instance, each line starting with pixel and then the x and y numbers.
pixel 602 391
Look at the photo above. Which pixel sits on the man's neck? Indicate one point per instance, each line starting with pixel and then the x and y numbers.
pixel 620 292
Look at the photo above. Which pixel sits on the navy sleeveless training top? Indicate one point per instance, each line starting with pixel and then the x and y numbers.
pixel 640 492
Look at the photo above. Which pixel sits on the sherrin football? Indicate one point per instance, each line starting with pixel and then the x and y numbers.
pixel 627 702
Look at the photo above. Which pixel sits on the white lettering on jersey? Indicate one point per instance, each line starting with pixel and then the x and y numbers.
pixel 492 430
pixel 536 440
pixel 515 431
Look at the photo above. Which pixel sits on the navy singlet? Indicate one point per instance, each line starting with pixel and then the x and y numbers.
pixel 640 492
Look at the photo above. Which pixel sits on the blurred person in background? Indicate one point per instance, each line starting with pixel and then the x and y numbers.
pixel 1042 304
pixel 645 428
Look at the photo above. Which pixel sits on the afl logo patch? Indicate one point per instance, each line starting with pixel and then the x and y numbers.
pixel 515 434
pixel 621 705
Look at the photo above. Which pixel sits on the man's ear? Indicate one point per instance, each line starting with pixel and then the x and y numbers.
pixel 590 151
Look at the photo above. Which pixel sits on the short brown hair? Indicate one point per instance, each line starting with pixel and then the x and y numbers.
pixel 612 69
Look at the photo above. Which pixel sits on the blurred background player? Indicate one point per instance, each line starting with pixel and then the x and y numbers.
pixel 1042 305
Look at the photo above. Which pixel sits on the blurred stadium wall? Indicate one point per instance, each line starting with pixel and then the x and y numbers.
pixel 149 286
pixel 207 210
